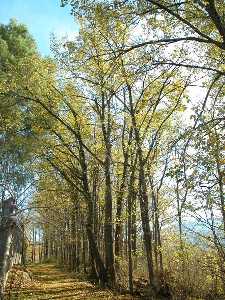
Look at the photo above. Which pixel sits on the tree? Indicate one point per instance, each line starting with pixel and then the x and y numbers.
pixel 16 45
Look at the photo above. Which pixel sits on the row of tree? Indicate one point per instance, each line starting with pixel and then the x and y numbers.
pixel 123 134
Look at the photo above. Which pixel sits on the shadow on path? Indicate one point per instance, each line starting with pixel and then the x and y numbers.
pixel 49 282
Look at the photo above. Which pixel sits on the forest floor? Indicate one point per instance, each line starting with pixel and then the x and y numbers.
pixel 46 281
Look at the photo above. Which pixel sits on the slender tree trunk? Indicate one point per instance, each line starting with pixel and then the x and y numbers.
pixel 158 242
pixel 146 226
pixel 97 263
pixel 108 225
pixel 143 197
pixel 134 229
pixel 119 200
pixel 119 227
pixel 109 255
pixel 130 216
pixel 130 261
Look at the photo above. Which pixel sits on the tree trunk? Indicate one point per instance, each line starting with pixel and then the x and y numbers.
pixel 143 197
pixel 97 263
pixel 109 255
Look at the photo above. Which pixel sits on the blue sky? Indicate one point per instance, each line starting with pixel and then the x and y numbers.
pixel 42 18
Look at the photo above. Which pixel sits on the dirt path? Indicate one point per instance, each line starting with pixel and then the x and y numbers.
pixel 49 282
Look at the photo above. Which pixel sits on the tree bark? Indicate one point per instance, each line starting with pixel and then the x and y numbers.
pixel 143 196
